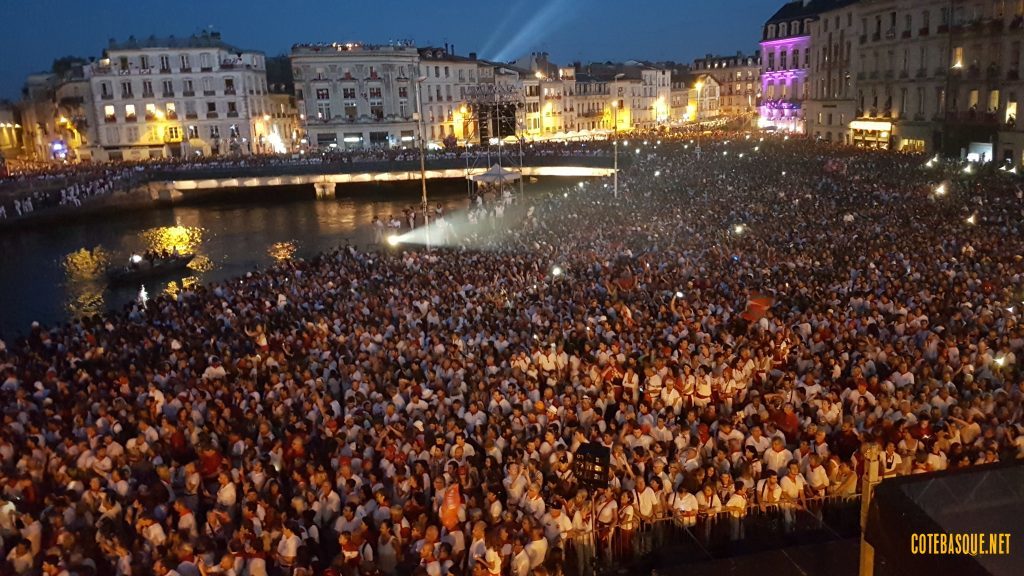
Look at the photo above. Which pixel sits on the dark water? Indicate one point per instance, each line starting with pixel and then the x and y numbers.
pixel 51 273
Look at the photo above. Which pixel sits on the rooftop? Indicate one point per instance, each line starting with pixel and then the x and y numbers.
pixel 325 47
pixel 799 9
pixel 202 40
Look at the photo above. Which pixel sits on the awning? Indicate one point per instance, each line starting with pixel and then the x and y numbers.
pixel 496 174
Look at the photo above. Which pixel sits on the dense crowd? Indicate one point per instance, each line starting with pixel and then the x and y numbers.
pixel 397 411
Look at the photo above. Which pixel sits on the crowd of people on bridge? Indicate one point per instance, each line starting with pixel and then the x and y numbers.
pixel 734 328
pixel 71 185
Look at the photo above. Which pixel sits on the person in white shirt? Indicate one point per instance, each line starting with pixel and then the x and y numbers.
pixel 520 558
pixel 736 506
pixel 227 494
pixel 794 493
pixel 891 461
pixel 683 507
pixel 777 457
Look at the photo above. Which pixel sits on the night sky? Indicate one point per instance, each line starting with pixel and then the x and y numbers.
pixel 35 32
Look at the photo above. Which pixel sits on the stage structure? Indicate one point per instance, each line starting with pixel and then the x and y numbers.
pixel 498 109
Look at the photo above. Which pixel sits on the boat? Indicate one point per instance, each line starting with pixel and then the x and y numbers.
pixel 141 269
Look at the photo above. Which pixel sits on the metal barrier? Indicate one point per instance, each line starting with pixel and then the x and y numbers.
pixel 709 535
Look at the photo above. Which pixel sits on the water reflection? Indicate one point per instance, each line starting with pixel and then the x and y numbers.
pixel 84 270
pixel 184 239
pixel 281 251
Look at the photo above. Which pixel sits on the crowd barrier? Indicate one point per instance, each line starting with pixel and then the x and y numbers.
pixel 711 535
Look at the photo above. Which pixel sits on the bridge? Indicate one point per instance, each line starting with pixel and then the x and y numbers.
pixel 175 185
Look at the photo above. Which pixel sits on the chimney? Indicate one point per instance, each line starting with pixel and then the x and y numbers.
pixel 453 50
pixel 472 55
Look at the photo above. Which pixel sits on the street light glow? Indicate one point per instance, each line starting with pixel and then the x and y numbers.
pixel 393 240
pixel 556 271
pixel 738 229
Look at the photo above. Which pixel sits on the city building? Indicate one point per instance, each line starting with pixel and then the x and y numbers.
pixel 704 102
pixel 447 78
pixel 785 63
pixel 168 97
pixel 918 75
pixel 832 105
pixel 10 131
pixel 57 115
pixel 739 77
pixel 353 95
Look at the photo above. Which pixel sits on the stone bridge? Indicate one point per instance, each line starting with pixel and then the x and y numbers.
pixel 176 185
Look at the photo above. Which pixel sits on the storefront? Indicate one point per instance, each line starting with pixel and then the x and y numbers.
pixel 871 133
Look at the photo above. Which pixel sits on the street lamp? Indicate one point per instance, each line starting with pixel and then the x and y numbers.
pixel 423 161
pixel 700 87
pixel 615 136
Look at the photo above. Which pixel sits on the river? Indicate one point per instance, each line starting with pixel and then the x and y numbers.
pixel 55 272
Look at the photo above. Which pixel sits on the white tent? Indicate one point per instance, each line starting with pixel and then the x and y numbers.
pixel 496 174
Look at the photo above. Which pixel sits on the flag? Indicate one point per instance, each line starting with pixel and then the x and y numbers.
pixel 450 507
pixel 757 307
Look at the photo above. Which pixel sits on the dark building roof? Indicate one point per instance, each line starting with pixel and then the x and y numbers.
pixel 202 40
pixel 800 9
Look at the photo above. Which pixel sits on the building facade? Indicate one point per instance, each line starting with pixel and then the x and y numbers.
pixel 785 64
pixel 353 96
pixel 168 97
pixel 833 104
pixel 739 77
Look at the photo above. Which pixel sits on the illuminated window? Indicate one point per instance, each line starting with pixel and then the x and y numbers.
pixel 958 57
pixel 323 94
pixel 129 113
pixel 172 111
pixel 150 112
pixel 108 113
pixel 193 131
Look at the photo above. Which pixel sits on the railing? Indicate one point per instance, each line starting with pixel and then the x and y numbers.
pixel 923 31
pixel 229 91
pixel 922 72
pixel 106 96
pixel 211 115
pixel 209 92
pixel 703 535
pixel 233 114
pixel 168 94
pixel 188 93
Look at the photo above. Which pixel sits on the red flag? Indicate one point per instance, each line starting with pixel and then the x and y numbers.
pixel 757 307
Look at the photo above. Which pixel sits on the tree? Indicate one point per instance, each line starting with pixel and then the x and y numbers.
pixel 65 64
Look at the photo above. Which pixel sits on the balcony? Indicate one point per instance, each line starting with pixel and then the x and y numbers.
pixel 905 34
pixel 209 93
pixel 191 116
pixel 110 119
pixel 211 115
pixel 942 29
pixel 233 114
pixel 888 74
pixel 172 115
pixel 921 72
pixel 132 118
pixel 863 38
pixel 941 71
pixel 149 117
pixel 873 75
pixel 148 95
pixel 973 71
pixel 876 37
pixel 206 69
pixel 904 74
pixel 890 34
pixel 229 91
pixel 923 31
pixel 188 93
pixel 106 96
pixel 185 69
pixel 168 94
pixel 993 72
pixel 165 70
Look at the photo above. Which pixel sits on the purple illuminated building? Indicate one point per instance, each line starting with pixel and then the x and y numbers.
pixel 785 64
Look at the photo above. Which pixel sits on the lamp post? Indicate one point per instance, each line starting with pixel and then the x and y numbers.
pixel 700 88
pixel 615 136
pixel 423 160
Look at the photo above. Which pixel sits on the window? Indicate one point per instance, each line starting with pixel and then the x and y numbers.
pixel 323 94
pixel 796 58
pixel 188 88
pixel 150 112
pixel 211 107
pixel 205 62
pixel 351 111
pixel 375 92
pixel 190 109
pixel 144 62
pixel 462 75
pixel 447 73
pixel 126 89
pixel 348 93
pixel 771 60
pixel 186 63
pixel 782 60
pixel 133 134
pixel 232 108
pixel 165 63
pixel 783 30
pixel 229 85
pixel 958 57
pixel 403 108
pixel 795 27
pixel 129 113
pixel 403 91
pixel 108 113
pixel 173 133
pixel 323 110
pixel 770 34
pixel 208 86
pixel 234 131
pixel 105 91
pixel 172 111
pixel 113 134
pixel 214 131
pixel 147 89
pixel 193 131
pixel 168 88
pixel 993 101
pixel 437 71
